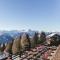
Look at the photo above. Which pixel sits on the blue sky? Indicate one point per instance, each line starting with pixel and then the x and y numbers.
pixel 30 14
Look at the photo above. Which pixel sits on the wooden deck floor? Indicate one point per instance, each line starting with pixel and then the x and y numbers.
pixel 57 55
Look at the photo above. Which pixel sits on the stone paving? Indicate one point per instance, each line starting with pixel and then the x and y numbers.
pixel 39 53
pixel 34 54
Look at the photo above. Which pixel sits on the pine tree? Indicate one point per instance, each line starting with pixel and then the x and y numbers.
pixel 2 47
pixel 9 47
pixel 34 40
pixel 42 37
pixel 25 42
pixel 16 46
